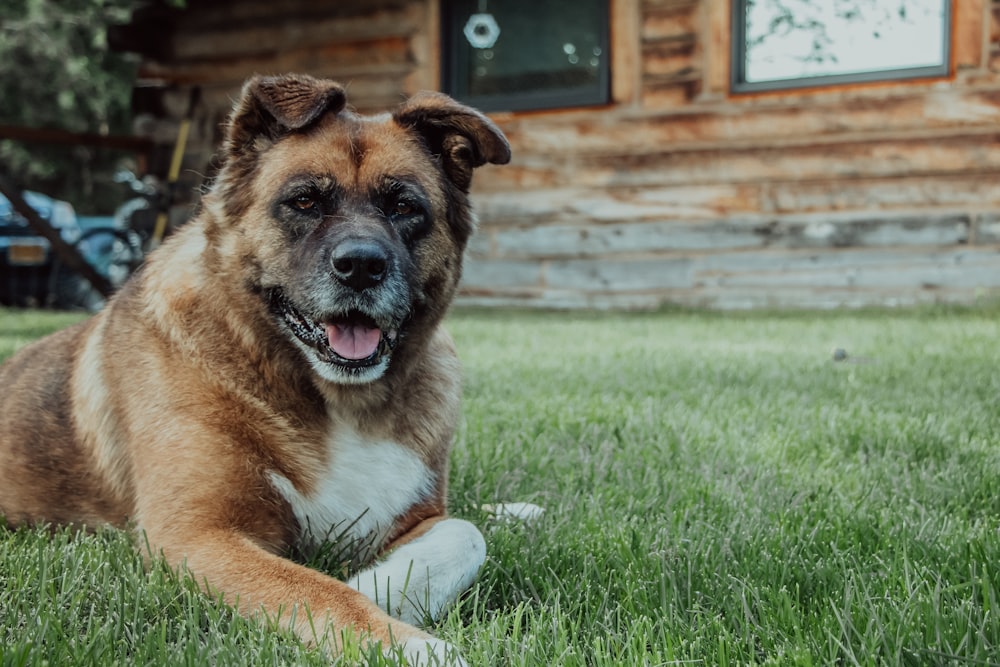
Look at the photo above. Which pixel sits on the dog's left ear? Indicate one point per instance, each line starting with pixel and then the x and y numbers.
pixel 272 106
pixel 463 137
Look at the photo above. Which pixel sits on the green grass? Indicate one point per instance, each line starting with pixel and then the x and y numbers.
pixel 719 491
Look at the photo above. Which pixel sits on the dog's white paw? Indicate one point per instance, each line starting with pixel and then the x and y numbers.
pixel 427 652
pixel 424 577
pixel 525 512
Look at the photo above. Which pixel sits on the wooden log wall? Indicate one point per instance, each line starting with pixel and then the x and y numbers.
pixel 380 49
pixel 676 192
pixel 876 194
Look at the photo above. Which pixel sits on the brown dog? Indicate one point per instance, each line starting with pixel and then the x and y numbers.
pixel 277 371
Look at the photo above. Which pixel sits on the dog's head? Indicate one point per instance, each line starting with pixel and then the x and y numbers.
pixel 351 228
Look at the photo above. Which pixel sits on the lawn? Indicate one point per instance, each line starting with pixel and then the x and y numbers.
pixel 719 491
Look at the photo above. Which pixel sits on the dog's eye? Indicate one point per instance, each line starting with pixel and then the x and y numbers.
pixel 404 209
pixel 304 202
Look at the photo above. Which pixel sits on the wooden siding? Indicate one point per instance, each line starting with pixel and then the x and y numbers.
pixel 677 191
pixel 858 195
pixel 382 50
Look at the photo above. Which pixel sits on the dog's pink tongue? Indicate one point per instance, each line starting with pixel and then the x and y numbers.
pixel 353 341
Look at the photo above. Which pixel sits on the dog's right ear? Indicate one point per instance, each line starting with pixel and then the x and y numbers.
pixel 272 106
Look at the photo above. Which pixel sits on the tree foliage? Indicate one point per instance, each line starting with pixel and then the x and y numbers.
pixel 56 71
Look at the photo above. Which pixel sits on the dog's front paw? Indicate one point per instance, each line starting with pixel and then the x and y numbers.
pixel 425 652
pixel 422 578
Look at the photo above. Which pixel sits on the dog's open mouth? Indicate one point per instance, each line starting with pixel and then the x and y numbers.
pixel 352 340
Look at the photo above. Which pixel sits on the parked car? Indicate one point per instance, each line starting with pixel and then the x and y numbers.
pixel 31 274
pixel 26 258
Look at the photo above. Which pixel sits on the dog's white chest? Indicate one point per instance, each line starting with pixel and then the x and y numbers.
pixel 365 487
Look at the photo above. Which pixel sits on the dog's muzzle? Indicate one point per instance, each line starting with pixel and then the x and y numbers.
pixel 353 340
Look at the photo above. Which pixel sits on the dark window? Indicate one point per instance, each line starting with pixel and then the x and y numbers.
pixel 512 55
pixel 782 44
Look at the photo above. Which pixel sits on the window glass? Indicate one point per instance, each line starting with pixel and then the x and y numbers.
pixel 526 54
pixel 793 43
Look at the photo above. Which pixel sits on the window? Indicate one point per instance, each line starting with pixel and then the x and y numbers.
pixel 513 55
pixel 782 44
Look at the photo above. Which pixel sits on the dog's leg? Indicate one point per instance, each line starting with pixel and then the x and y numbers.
pixel 315 606
pixel 422 578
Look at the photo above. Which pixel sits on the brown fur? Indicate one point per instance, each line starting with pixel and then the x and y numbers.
pixel 172 406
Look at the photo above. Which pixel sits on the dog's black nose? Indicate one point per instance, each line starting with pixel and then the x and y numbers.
pixel 360 264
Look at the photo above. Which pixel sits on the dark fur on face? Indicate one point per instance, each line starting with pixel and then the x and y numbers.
pixel 362 280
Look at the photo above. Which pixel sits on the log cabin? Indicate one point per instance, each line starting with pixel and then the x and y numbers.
pixel 661 154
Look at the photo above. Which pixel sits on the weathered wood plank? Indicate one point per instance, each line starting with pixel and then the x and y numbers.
pixel 987 229
pixel 671 92
pixel 370 91
pixel 702 202
pixel 672 59
pixel 714 201
pixel 892 270
pixel 678 22
pixel 813 298
pixel 559 299
pixel 715 31
pixel 972 153
pixel 775 260
pixel 724 299
pixel 764 124
pixel 625 52
pixel 968 152
pixel 970 34
pixel 425 49
pixel 579 240
pixel 212 16
pixel 975 191
pixel 492 274
pixel 812 231
pixel 669 5
pixel 862 229
pixel 373 57
pixel 284 32
pixel 750 280
pixel 619 275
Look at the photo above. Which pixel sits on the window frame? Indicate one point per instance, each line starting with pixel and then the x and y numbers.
pixel 737 61
pixel 453 71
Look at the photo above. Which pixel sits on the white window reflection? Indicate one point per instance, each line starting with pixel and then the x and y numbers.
pixel 791 43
